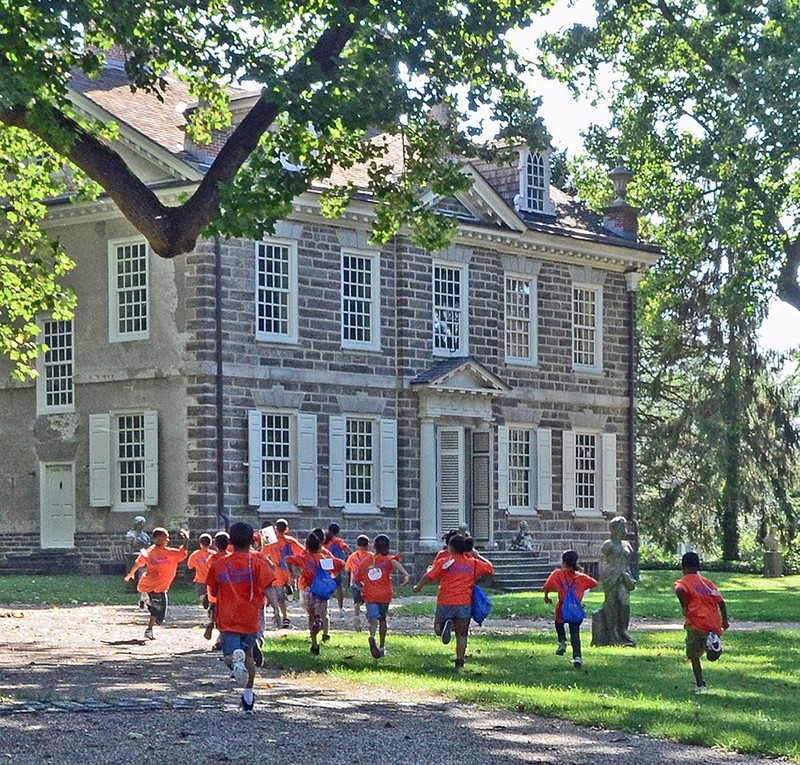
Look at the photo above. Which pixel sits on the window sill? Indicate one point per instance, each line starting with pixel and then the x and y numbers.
pixel 588 514
pixel 278 510
pixel 277 340
pixel 371 510
pixel 517 362
pixel 589 371
pixel 527 512
pixel 354 348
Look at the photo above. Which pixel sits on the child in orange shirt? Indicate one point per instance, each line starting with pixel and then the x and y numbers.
pixel 220 549
pixel 362 553
pixel 312 558
pixel 338 548
pixel 239 582
pixel 161 564
pixel 569 577
pixel 199 562
pixel 374 575
pixel 706 616
pixel 277 552
pixel 458 572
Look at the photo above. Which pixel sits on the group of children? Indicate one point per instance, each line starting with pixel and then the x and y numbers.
pixel 239 572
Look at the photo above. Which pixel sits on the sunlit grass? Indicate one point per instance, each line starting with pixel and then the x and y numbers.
pixel 752 704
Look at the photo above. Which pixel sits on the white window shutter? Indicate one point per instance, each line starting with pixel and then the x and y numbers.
pixel 100 460
pixel 151 458
pixel 307 459
pixel 544 469
pixel 388 457
pixel 254 473
pixel 568 460
pixel 502 467
pixel 609 468
pixel 336 460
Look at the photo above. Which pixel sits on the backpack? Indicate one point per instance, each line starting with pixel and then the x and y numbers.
pixel 323 585
pixel 571 608
pixel 285 553
pixel 481 605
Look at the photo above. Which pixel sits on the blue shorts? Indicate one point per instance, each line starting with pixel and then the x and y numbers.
pixel 230 641
pixel 453 612
pixel 377 610
pixel 356 593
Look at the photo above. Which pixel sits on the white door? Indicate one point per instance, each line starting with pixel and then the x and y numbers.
pixel 451 493
pixel 58 506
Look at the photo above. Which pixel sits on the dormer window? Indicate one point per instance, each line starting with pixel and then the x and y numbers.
pixel 534 183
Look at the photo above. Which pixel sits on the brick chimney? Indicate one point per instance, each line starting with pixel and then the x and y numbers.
pixel 619 217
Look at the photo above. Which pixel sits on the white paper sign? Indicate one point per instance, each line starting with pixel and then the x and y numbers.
pixel 327 564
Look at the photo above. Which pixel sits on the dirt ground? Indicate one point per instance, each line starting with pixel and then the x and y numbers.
pixel 80 685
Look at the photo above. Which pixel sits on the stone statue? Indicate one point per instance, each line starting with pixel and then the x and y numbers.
pixel 771 540
pixel 773 559
pixel 524 539
pixel 137 537
pixel 610 623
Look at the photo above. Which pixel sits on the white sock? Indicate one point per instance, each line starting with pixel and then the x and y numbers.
pixel 247 695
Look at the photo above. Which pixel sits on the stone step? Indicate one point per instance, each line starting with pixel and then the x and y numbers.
pixel 42 562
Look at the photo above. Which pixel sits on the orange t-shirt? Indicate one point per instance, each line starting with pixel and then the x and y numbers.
pixel 458 574
pixel 308 563
pixel 199 561
pixel 374 576
pixel 354 561
pixel 162 565
pixel 214 555
pixel 278 551
pixel 702 603
pixel 561 579
pixel 239 581
pixel 336 547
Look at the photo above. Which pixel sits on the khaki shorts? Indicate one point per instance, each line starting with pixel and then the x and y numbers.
pixel 695 643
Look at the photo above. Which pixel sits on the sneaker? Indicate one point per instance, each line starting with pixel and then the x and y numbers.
pixel 315 650
pixel 373 648
pixel 286 624
pixel 562 649
pixel 343 611
pixel 247 708
pixel 287 588
pixel 447 631
pixel 326 637
pixel 148 633
pixel 700 688
pixel 240 673
pixel 208 632
pixel 578 661
pixel 258 656
pixel 383 652
pixel 316 625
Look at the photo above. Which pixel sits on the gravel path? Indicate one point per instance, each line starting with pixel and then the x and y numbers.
pixel 73 691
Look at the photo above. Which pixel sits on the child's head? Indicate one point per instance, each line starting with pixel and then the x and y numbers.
pixel 221 540
pixel 569 559
pixel 334 529
pixel 457 544
pixel 362 540
pixel 690 562
pixel 448 535
pixel 381 544
pixel 160 536
pixel 281 526
pixel 469 545
pixel 319 533
pixel 205 540
pixel 241 535
pixel 313 542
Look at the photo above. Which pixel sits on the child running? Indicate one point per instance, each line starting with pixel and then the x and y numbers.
pixel 374 575
pixel 706 616
pixel 220 549
pixel 239 582
pixel 569 577
pixel 198 562
pixel 312 558
pixel 161 564
pixel 338 548
pixel 351 566
pixel 458 572
pixel 277 552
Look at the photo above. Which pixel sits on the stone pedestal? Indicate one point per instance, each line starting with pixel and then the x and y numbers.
pixel 773 563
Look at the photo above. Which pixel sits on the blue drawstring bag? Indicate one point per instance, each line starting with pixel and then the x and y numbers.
pixel 571 608
pixel 323 585
pixel 481 605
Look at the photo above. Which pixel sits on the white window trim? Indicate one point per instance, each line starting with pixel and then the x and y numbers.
pixel 540 478
pixel 533 359
pixel 605 473
pixel 463 328
pixel 114 335
pixel 521 200
pixel 292 336
pixel 375 286
pixel 530 508
pixel 597 367
pixel 41 380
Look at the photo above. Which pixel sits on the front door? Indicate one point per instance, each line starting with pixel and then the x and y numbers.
pixel 451 484
pixel 57 506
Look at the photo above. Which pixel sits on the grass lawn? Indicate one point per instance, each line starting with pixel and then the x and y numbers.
pixel 749 598
pixel 753 702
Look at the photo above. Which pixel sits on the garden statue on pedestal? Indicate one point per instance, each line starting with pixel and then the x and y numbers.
pixel 773 559
pixel 610 623
pixel 524 539
pixel 135 540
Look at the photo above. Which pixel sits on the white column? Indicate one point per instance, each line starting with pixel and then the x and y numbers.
pixel 427 486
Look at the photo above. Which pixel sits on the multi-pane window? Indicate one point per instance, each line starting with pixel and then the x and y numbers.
pixel 56 371
pixel 449 310
pixel 585 471
pixel 535 182
pixel 276 286
pixel 276 458
pixel 585 326
pixel 359 462
pixel 520 319
pixel 519 468
pixel 130 458
pixel 359 293
pixel 129 319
